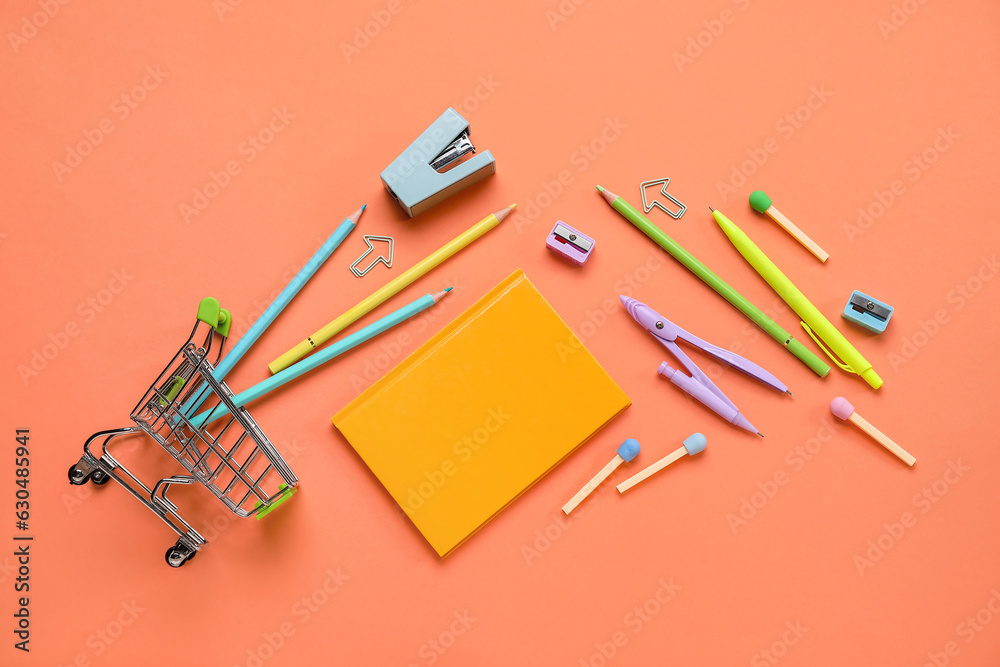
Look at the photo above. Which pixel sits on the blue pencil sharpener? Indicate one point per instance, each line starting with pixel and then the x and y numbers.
pixel 867 312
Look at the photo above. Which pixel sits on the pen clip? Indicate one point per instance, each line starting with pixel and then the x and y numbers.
pixel 828 352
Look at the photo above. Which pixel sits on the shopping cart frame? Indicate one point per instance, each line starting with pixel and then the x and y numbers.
pixel 230 456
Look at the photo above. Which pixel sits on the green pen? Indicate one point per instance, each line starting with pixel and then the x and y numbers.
pixel 769 326
pixel 813 321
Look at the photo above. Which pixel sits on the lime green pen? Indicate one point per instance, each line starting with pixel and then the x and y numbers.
pixel 813 321
pixel 769 326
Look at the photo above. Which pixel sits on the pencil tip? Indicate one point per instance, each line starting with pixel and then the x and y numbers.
pixel 608 195
pixel 354 217
pixel 711 209
pixel 789 393
pixel 437 296
pixel 448 289
pixel 760 434
pixel 503 213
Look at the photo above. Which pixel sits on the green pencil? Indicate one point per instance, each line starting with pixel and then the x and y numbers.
pixel 770 327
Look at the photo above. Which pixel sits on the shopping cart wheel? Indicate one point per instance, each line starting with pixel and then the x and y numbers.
pixel 82 472
pixel 178 554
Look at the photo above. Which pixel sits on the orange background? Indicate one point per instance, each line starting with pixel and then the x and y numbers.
pixel 531 588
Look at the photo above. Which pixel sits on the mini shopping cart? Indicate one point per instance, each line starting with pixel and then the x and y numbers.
pixel 230 455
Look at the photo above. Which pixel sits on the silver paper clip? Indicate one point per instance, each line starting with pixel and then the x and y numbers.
pixel 647 207
pixel 384 259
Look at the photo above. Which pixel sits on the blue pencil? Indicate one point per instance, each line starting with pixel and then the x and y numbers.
pixel 279 303
pixel 321 357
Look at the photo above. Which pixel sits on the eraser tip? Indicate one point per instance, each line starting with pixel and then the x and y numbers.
pixel 629 449
pixel 759 201
pixel 841 408
pixel 695 443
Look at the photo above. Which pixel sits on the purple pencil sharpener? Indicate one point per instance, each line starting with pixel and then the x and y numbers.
pixel 570 243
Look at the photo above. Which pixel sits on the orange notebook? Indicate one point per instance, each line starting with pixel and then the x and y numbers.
pixel 480 412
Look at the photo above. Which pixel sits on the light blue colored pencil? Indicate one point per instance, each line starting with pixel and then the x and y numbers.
pixel 321 357
pixel 279 303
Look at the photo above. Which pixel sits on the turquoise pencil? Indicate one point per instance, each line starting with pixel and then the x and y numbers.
pixel 282 300
pixel 321 357
pixel 287 294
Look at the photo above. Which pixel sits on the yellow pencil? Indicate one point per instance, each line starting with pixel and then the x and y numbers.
pixel 401 282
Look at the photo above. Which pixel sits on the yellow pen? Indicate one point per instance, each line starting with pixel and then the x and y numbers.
pixel 813 321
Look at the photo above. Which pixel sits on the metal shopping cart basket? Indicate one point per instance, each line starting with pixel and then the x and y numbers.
pixel 230 456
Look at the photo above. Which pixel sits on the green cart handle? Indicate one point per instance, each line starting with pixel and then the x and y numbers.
pixel 215 316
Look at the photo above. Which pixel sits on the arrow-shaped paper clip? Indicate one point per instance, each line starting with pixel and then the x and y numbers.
pixel 384 260
pixel 649 207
